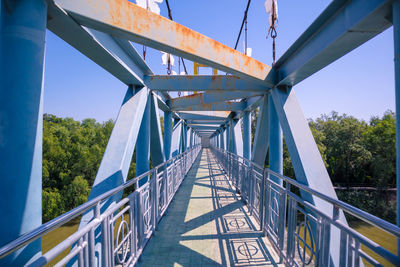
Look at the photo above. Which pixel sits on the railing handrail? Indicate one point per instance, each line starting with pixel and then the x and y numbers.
pixel 365 216
pixel 68 216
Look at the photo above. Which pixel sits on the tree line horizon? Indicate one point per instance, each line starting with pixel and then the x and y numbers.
pixel 355 153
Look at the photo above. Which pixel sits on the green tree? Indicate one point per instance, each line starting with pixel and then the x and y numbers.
pixel 53 204
pixel 345 154
pixel 380 140
pixel 77 192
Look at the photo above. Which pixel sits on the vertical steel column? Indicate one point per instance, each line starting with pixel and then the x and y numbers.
pixel 184 134
pixel 190 138
pixel 275 143
pixel 396 37
pixel 143 145
pixel 22 48
pixel 228 129
pixel 167 132
pixel 246 134
pixel 223 139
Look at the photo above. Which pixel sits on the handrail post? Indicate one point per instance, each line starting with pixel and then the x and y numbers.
pixel 292 223
pixel 155 198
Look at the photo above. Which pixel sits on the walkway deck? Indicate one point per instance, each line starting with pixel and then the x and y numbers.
pixel 208 225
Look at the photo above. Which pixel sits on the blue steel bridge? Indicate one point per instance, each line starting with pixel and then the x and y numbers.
pixel 209 201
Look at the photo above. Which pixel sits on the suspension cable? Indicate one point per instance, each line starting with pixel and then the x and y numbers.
pixel 272 30
pixel 170 17
pixel 243 23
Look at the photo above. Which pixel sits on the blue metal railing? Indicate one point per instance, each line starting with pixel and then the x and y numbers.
pixel 125 227
pixel 299 231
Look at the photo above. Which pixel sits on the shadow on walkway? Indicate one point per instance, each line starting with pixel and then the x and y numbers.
pixel 208 225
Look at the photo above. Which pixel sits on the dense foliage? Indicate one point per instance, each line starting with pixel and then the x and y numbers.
pixel 355 152
pixel 72 152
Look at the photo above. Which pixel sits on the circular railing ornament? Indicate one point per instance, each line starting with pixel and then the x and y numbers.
pixel 305 246
pixel 122 243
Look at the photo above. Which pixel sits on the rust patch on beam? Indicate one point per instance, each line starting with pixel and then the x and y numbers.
pixel 127 20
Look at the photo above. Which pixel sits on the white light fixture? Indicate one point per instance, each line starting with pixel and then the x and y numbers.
pixel 271 7
pixel 151 5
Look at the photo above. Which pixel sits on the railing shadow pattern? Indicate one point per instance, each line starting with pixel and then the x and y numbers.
pixel 300 232
pixel 124 228
pixel 208 225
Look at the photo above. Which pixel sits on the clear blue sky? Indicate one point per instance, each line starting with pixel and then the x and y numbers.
pixel 359 84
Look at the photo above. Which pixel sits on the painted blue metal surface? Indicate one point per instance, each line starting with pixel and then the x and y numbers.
pixel 156 142
pixel 228 138
pixel 203 83
pixel 199 117
pixel 143 144
pixel 201 122
pixel 306 160
pixel 261 136
pixel 208 98
pixel 222 106
pixel 396 38
pixel 114 167
pixel 275 142
pixel 167 133
pixel 115 17
pixel 22 48
pixel 205 127
pixel 282 220
pixel 237 137
pixel 341 27
pixel 176 138
pixel 246 134
pixel 118 57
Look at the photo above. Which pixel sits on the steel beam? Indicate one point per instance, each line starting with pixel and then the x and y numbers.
pixel 261 136
pixel 22 49
pixel 222 137
pixel 117 157
pixel 222 106
pixel 204 83
pixel 156 142
pixel 205 127
pixel 237 138
pixel 208 98
pixel 306 160
pixel 176 138
pixel 341 27
pixel 246 134
pixel 201 122
pixel 200 117
pixel 275 142
pixel 143 144
pixel 126 20
pixel 396 38
pixel 167 133
pixel 118 58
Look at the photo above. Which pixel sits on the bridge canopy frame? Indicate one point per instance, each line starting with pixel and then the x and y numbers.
pixel 103 30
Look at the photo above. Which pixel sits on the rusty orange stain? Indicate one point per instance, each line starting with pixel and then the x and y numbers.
pixel 145 27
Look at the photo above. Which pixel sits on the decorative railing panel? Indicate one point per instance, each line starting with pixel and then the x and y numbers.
pixel 300 232
pixel 124 228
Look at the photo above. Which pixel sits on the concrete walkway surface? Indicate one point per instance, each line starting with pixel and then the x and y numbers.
pixel 208 225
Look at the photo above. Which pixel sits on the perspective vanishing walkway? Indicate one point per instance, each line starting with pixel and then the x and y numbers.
pixel 208 225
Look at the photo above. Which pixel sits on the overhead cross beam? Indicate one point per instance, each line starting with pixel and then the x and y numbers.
pixel 207 98
pixel 222 106
pixel 117 57
pixel 126 20
pixel 341 27
pixel 204 83
pixel 200 117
